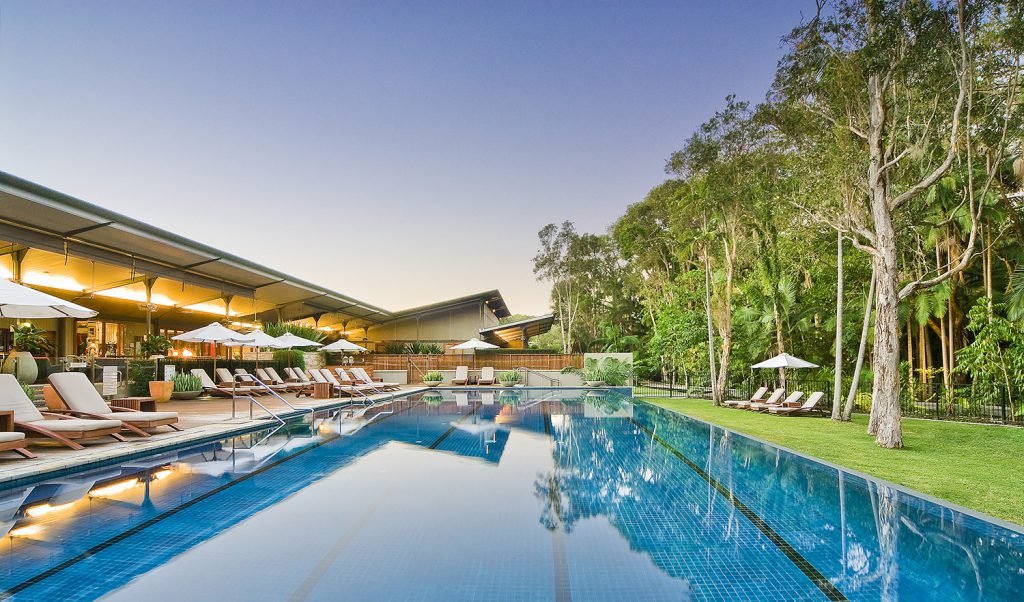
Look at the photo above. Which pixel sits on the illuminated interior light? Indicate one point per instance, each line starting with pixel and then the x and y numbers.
pixel 27 531
pixel 162 474
pixel 44 509
pixel 114 489
pixel 64 283
pixel 187 353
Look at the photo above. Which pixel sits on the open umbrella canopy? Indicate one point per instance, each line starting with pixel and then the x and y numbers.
pixel 474 343
pixel 785 360
pixel 289 340
pixel 343 345
pixel 213 332
pixel 17 301
pixel 256 338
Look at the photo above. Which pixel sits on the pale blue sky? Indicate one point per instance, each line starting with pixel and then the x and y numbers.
pixel 423 143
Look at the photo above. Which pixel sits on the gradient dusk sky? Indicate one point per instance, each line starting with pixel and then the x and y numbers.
pixel 420 144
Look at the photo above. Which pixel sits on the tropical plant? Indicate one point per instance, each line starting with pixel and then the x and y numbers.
pixel 155 344
pixel 31 339
pixel 290 357
pixel 432 398
pixel 140 373
pixel 276 329
pixel 418 348
pixel 29 390
pixel 611 371
pixel 184 382
pixel 432 376
pixel 509 376
pixel 394 348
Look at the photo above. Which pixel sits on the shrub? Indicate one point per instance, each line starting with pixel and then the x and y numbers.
pixel 29 338
pixel 290 357
pixel 276 329
pixel 29 390
pixel 394 348
pixel 613 372
pixel 155 344
pixel 187 382
pixel 510 376
pixel 432 376
pixel 140 372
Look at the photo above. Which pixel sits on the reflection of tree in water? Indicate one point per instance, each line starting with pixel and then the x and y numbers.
pixel 612 468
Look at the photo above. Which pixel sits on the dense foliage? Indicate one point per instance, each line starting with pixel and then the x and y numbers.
pixel 893 131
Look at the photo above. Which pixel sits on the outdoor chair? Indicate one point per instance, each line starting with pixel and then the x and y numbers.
pixel 774 398
pixel 759 394
pixel 82 400
pixel 461 375
pixel 793 398
pixel 64 429
pixel 364 378
pixel 810 407
pixel 486 376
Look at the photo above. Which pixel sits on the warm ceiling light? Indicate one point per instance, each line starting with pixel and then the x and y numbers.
pixel 162 474
pixel 186 353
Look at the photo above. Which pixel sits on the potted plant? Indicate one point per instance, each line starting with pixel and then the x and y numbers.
pixel 609 371
pixel 28 341
pixel 432 378
pixel 509 378
pixel 155 346
pixel 186 386
pixel 434 398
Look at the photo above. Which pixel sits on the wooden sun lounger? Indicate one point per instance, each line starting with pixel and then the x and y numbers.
pixel 64 429
pixel 81 399
pixel 486 376
pixel 810 407
pixel 794 398
pixel 461 375
pixel 774 398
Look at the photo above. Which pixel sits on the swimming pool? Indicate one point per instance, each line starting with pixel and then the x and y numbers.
pixel 507 495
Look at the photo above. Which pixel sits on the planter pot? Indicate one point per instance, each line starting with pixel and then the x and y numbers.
pixel 510 383
pixel 432 383
pixel 161 390
pixel 43 367
pixel 185 394
pixel 594 383
pixel 23 366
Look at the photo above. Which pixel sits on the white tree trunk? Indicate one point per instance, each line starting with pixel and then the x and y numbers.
pixel 711 327
pixel 855 384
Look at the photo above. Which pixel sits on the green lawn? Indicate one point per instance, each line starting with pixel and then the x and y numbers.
pixel 977 466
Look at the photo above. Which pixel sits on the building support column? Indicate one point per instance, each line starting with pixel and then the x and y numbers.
pixel 149 304
pixel 16 258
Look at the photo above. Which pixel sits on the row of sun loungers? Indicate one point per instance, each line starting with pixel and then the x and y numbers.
pixel 85 415
pixel 774 404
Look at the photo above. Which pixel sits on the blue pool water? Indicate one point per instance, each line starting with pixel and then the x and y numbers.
pixel 503 495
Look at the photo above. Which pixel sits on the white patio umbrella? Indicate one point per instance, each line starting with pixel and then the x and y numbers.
pixel 289 340
pixel 214 333
pixel 257 338
pixel 783 361
pixel 474 343
pixel 17 301
pixel 343 345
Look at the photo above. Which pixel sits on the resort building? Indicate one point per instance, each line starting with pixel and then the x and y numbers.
pixel 143 279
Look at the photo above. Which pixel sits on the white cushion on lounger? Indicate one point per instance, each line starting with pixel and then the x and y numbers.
pixel 7 437
pixel 78 392
pixel 80 424
pixel 139 416
pixel 13 398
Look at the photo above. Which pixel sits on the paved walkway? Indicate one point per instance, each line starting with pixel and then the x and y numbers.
pixel 202 419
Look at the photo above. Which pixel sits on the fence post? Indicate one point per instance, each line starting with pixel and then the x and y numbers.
pixel 671 382
pixel 1003 401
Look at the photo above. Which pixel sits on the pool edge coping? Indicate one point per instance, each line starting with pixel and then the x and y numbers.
pixel 1002 522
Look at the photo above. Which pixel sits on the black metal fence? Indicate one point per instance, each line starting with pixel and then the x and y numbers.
pixel 935 400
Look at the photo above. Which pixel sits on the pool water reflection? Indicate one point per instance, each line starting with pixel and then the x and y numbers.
pixel 504 494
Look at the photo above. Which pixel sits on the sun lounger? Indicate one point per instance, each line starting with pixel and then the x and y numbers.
pixel 364 378
pixel 293 376
pixel 763 406
pixel 810 407
pixel 486 376
pixel 345 386
pixel 82 400
pixel 64 429
pixel 225 380
pixel 275 382
pixel 212 389
pixel 461 375
pixel 759 394
pixel 774 398
pixel 249 380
